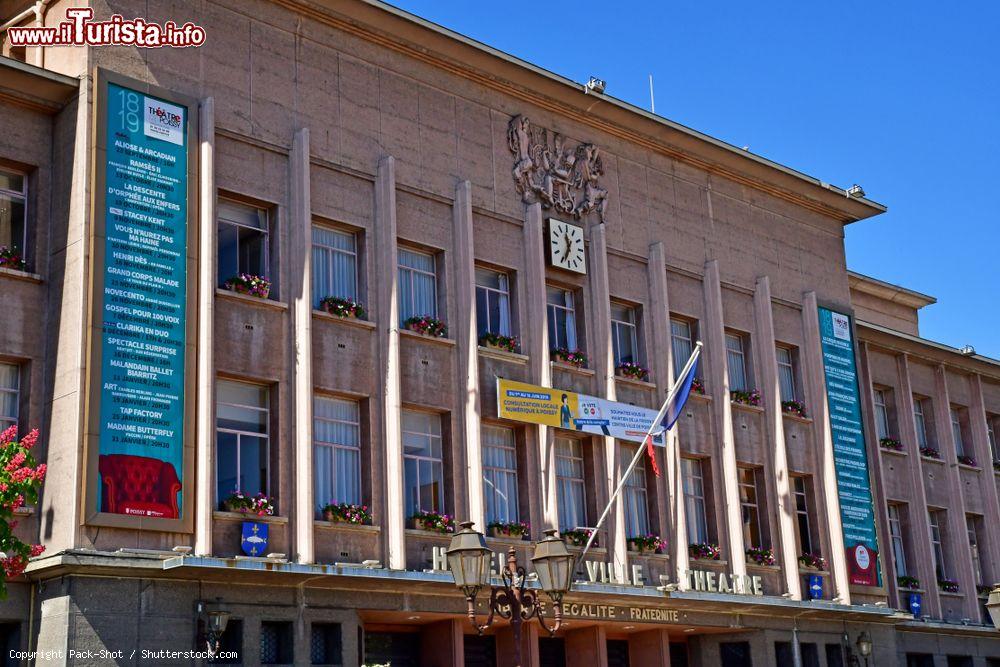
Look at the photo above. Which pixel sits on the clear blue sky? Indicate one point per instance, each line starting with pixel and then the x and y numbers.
pixel 901 97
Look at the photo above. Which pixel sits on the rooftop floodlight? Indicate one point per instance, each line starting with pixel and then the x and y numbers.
pixel 856 191
pixel 596 85
pixel 968 350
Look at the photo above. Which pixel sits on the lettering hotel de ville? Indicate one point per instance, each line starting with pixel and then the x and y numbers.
pixel 352 341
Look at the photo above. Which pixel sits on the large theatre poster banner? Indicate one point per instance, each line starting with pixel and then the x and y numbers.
pixel 850 459
pixel 535 404
pixel 140 328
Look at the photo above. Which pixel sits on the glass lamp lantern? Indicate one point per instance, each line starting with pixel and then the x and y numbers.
pixel 993 606
pixel 553 564
pixel 865 644
pixel 469 559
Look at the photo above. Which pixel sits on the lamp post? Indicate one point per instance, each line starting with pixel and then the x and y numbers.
pixel 993 606
pixel 864 645
pixel 469 561
pixel 214 620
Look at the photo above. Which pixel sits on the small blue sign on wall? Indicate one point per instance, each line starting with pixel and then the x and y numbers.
pixel 916 603
pixel 815 587
pixel 254 540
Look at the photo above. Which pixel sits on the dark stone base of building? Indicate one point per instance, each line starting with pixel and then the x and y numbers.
pixel 142 609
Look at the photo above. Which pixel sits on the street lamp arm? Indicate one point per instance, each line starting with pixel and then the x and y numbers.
pixel 556 617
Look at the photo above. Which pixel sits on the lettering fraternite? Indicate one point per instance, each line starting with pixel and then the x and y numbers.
pixel 559 176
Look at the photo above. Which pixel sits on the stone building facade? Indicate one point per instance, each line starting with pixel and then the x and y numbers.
pixel 347 149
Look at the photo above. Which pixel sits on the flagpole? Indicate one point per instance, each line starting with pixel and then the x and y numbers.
pixel 638 455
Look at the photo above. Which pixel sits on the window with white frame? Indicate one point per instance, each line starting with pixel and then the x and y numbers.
pixel 881 414
pixel 896 535
pixel 956 432
pixel 694 500
pixel 972 528
pixel 417 284
pixel 493 303
pixel 242 435
pixel 624 334
pixel 10 395
pixel 681 343
pixel 243 233
pixel 786 373
pixel 13 212
pixel 935 519
pixel 750 507
pixel 736 361
pixel 561 306
pixel 334 264
pixel 800 493
pixel 634 495
pixel 572 494
pixel 919 422
pixel 500 474
pixel 423 466
pixel 336 450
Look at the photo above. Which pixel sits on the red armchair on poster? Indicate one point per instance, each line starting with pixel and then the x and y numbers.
pixel 138 486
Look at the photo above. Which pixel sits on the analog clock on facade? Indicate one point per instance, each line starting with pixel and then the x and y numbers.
pixel 566 250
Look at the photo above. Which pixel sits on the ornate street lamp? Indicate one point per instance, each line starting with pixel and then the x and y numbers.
pixel 993 606
pixel 469 561
pixel 865 645
pixel 214 622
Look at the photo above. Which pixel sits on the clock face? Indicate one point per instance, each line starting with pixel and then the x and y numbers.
pixel 566 250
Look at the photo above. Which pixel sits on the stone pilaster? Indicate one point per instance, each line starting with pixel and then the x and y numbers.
pixel 204 496
pixel 916 518
pixel 468 350
pixel 536 338
pixel 812 363
pixel 989 556
pixel 604 366
pixel 669 485
pixel 956 531
pixel 388 346
pixel 300 293
pixel 778 482
pixel 724 473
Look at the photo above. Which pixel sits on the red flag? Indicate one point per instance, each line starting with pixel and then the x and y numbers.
pixel 652 455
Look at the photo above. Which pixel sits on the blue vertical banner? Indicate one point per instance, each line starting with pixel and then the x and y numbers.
pixel 850 459
pixel 143 302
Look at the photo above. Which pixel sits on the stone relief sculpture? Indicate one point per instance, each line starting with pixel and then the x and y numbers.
pixel 549 171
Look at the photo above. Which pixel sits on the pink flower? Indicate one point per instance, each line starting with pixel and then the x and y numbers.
pixel 9 435
pixel 29 440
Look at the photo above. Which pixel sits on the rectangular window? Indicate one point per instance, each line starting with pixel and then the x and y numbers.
pixel 334 264
pixel 991 437
pixel 336 450
pixel 624 334
pixel 10 395
pixel 493 303
pixel 242 429
pixel 747 478
pixel 956 432
pixel 417 284
pixel 881 414
pixel 634 494
pixel 935 519
pixel 786 373
pixel 326 645
pixel 500 474
pixel 972 527
pixel 243 240
pixel 681 343
pixel 800 492
pixel 570 483
pixel 13 212
pixel 919 422
pixel 423 466
pixel 694 500
pixel 276 643
pixel 562 318
pixel 736 362
pixel 896 535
